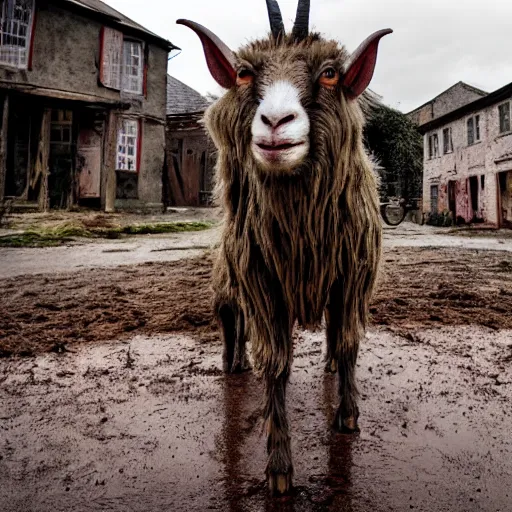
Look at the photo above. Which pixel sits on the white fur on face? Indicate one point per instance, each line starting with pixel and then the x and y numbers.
pixel 280 128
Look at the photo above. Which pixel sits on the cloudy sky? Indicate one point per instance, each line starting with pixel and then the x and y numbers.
pixel 435 43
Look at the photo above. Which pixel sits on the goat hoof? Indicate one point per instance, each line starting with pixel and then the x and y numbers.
pixel 237 368
pixel 280 483
pixel 331 366
pixel 346 425
pixel 240 368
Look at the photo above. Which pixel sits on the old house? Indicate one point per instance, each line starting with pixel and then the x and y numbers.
pixel 82 103
pixel 468 161
pixel 190 152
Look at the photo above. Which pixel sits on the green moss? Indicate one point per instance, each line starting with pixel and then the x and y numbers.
pixel 64 233
pixel 165 227
pixel 28 240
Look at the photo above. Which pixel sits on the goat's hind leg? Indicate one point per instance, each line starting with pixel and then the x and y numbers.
pixel 232 327
pixel 343 342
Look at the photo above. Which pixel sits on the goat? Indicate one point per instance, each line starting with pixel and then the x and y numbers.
pixel 301 233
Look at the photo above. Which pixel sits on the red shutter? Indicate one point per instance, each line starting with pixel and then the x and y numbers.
pixel 31 44
pixel 145 77
pixel 139 144
pixel 111 53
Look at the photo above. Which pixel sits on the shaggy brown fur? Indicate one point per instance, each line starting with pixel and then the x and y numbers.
pixel 297 244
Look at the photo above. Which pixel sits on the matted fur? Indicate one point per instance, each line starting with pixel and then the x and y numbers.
pixel 287 238
pixel 296 244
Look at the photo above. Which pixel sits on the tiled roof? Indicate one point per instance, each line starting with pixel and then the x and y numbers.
pixel 103 9
pixel 182 99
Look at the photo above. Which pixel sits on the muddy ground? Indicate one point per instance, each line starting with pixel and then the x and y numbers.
pixel 112 398
pixel 418 288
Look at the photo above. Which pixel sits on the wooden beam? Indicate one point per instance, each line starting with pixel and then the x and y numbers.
pixel 42 162
pixel 4 132
pixel 109 163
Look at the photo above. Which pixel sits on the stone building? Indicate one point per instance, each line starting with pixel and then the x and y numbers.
pixel 188 180
pixel 82 106
pixel 468 161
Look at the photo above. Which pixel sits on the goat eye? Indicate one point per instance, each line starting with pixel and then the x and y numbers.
pixel 244 76
pixel 329 78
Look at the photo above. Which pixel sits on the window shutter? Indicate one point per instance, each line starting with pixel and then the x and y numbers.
pixel 145 76
pixel 32 35
pixel 139 144
pixel 111 57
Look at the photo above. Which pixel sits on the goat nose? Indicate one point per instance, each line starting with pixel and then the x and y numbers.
pixel 277 121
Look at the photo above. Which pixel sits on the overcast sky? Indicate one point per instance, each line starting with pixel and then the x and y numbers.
pixel 435 43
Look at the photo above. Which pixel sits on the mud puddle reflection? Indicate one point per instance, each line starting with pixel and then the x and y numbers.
pixel 153 425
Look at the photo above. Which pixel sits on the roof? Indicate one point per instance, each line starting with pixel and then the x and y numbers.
pixel 103 10
pixel 182 99
pixel 476 90
pixel 492 98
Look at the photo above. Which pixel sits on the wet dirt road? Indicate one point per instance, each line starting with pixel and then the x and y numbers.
pixel 151 424
pixel 160 248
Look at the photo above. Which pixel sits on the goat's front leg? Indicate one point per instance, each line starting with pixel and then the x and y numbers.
pixel 279 466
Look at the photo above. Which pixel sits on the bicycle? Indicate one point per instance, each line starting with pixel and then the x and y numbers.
pixel 394 211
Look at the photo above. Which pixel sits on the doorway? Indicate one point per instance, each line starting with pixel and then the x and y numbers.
pixel 452 202
pixel 505 198
pixel 473 191
pixel 60 183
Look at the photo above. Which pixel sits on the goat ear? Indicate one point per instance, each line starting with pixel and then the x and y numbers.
pixel 220 59
pixel 362 64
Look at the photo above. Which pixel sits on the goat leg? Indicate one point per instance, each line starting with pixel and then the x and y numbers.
pixel 232 328
pixel 331 361
pixel 342 349
pixel 348 412
pixel 279 469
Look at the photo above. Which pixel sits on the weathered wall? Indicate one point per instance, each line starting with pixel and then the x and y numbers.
pixel 152 163
pixel 190 162
pixel 422 115
pixel 486 158
pixel 66 58
pixel 448 101
pixel 455 97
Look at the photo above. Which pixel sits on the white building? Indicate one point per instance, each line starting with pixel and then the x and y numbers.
pixel 468 161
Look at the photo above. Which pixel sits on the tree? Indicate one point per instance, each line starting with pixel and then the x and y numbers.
pixel 396 142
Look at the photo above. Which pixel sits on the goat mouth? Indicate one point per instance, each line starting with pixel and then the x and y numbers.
pixel 279 147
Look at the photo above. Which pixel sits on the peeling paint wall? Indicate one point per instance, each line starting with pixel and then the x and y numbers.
pixel 487 157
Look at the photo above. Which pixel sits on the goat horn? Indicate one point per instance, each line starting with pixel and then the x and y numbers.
pixel 301 26
pixel 275 18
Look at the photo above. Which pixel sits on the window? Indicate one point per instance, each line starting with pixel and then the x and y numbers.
pixel 504 111
pixel 433 146
pixel 122 62
pixel 447 141
pixel 15 32
pixel 473 129
pixel 133 71
pixel 128 145
pixel 434 191
pixel 60 128
pixel 482 182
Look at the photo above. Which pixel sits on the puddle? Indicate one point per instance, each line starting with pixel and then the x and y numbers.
pixel 152 424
